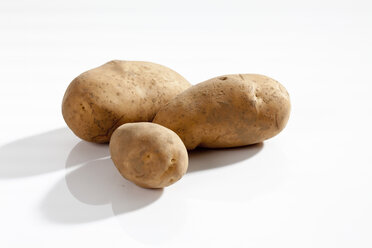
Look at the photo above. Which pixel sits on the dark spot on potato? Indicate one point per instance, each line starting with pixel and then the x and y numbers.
pixel 222 78
pixel 276 121
pixel 173 160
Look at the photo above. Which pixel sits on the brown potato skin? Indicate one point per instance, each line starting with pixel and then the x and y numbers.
pixel 100 100
pixel 148 154
pixel 227 111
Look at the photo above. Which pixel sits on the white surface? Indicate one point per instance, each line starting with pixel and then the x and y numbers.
pixel 308 187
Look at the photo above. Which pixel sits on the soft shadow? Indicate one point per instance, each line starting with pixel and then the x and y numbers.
pixel 99 182
pixel 205 159
pixel 84 151
pixel 95 183
pixel 39 154
pixel 93 189
pixel 242 175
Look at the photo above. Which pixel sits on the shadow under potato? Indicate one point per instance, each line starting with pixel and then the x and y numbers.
pixel 206 159
pixel 35 155
pixel 95 182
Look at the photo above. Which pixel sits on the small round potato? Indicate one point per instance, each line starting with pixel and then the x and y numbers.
pixel 227 111
pixel 100 100
pixel 148 154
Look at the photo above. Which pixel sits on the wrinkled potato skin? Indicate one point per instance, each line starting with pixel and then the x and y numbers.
pixel 227 111
pixel 100 100
pixel 148 154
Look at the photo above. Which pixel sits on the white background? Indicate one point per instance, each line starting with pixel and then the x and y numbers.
pixel 311 186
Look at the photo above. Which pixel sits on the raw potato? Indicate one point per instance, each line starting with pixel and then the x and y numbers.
pixel 100 100
pixel 148 154
pixel 227 111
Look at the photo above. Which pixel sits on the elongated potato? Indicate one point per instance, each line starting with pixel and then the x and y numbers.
pixel 148 154
pixel 100 100
pixel 227 111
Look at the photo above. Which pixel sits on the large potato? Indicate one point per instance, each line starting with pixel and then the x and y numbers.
pixel 227 111
pixel 148 154
pixel 100 100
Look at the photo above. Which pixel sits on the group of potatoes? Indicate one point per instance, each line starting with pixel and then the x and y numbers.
pixel 151 115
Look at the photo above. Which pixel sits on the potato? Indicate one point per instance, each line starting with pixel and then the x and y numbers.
pixel 148 154
pixel 100 100
pixel 227 111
